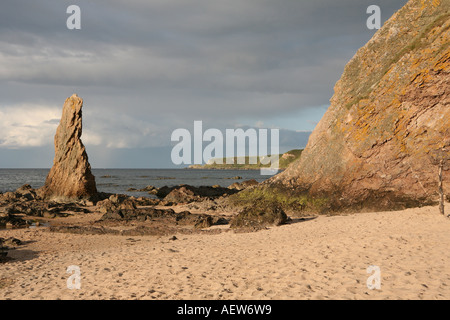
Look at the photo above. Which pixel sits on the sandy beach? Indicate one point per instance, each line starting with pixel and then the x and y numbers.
pixel 322 258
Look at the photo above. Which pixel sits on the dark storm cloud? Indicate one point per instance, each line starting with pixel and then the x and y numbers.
pixel 145 68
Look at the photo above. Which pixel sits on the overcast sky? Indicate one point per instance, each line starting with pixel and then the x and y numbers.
pixel 147 67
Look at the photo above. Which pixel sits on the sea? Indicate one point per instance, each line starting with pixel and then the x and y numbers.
pixel 118 181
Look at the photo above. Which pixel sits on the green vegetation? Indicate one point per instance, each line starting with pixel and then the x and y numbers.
pixel 398 50
pixel 285 160
pixel 421 40
pixel 280 197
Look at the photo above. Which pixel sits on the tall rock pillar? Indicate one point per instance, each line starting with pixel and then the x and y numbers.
pixel 70 177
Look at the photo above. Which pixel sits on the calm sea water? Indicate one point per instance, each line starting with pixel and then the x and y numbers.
pixel 120 180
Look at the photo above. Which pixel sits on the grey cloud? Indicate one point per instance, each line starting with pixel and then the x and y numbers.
pixel 145 68
pixel 52 121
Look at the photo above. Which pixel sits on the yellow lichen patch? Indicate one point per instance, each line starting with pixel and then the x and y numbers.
pixel 430 3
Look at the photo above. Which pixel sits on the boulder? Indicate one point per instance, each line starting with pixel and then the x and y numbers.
pixel 105 206
pixel 143 201
pixel 243 185
pixel 188 194
pixel 9 197
pixel 8 219
pixel 26 193
pixel 182 195
pixel 117 198
pixel 236 186
pixel 204 222
pixel 259 216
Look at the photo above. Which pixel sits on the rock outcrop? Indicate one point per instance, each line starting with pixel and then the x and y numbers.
pixel 260 216
pixel 70 177
pixel 245 184
pixel 389 116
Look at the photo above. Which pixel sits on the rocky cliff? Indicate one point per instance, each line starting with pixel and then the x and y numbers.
pixel 70 177
pixel 388 119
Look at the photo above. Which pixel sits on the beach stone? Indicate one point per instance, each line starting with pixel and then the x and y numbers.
pixel 12 242
pixel 24 189
pixel 236 186
pixel 8 220
pixel 26 193
pixel 70 177
pixel 181 195
pixel 9 197
pixel 143 201
pixel 105 206
pixel 243 185
pixel 249 183
pixel 115 203
pixel 204 222
pixel 219 221
pixel 260 216
pixel 87 203
pixel 115 215
pixel 127 205
pixel 188 194
pixel 149 189
pixel 164 191
pixel 118 198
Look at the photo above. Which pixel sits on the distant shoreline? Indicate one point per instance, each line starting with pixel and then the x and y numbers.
pixel 285 160
pixel 231 169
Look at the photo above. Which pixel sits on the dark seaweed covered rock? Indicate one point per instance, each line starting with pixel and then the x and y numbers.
pixel 8 219
pixel 260 216
pixel 188 194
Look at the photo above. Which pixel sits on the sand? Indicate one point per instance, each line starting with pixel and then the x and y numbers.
pixel 321 258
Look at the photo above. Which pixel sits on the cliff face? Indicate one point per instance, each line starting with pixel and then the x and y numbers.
pixel 389 115
pixel 70 177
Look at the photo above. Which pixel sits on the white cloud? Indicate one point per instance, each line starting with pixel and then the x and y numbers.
pixel 119 130
pixel 27 125
pixel 33 125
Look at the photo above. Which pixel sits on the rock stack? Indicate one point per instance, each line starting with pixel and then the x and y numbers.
pixel 70 178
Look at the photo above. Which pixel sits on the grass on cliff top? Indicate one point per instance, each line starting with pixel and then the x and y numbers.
pixel 421 40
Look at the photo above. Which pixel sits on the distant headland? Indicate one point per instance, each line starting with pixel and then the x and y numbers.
pixel 285 160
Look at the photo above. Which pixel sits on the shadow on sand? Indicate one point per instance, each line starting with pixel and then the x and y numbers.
pixel 17 254
pixel 298 220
